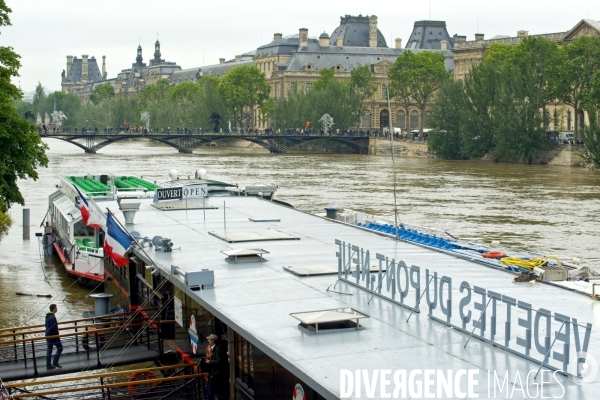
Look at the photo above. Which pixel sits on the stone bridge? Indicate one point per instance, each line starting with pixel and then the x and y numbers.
pixel 187 143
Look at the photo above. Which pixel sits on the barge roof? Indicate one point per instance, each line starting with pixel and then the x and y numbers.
pixel 257 298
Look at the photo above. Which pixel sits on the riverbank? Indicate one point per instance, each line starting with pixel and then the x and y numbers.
pixel 565 155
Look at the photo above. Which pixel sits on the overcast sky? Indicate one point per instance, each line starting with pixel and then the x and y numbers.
pixel 195 33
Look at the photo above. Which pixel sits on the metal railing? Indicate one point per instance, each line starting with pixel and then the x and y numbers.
pixel 25 347
pixel 173 381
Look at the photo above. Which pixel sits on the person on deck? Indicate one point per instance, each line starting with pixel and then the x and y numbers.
pixel 52 330
pixel 219 368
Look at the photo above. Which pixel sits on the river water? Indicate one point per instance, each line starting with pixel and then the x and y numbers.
pixel 552 210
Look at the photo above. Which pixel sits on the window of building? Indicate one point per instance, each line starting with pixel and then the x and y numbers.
pixel 384 118
pixel 308 86
pixel 401 119
pixel 414 119
pixel 293 86
pixel 366 120
pixel 244 365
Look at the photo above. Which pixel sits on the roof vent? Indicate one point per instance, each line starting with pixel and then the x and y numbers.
pixel 129 207
pixel 195 280
pixel 331 320
pixel 244 255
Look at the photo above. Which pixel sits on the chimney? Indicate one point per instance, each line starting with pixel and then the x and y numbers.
pixel 84 66
pixel 444 45
pixel 372 31
pixel 69 63
pixel 221 61
pixel 277 36
pixel 340 41
pixel 462 39
pixel 398 43
pixel 104 67
pixel 238 58
pixel 324 40
pixel 478 37
pixel 522 33
pixel 303 37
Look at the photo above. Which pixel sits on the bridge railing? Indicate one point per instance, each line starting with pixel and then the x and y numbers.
pixel 28 346
pixel 180 380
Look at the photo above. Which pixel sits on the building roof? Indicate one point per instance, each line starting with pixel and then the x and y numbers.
pixel 74 75
pixel 256 298
pixel 285 45
pixel 428 35
pixel 355 32
pixel 194 74
pixel 348 58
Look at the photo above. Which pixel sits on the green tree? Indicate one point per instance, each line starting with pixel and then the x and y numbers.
pixel 22 149
pixel 210 102
pixel 420 75
pixel 537 56
pixel 23 108
pixel 155 100
pixel 336 98
pixel 39 99
pixel 362 84
pixel 447 120
pixel 292 111
pixel 102 92
pixel 502 114
pixel 580 63
pixel 591 133
pixel 243 89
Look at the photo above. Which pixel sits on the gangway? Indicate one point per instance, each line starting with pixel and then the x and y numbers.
pixel 181 381
pixel 88 344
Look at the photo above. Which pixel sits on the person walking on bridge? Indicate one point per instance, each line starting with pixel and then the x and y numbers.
pixel 52 330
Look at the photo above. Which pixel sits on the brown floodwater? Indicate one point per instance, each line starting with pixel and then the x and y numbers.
pixel 551 210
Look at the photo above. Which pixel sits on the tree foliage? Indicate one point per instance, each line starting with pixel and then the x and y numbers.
pixel 500 110
pixel 22 149
pixel 345 101
pixel 580 63
pixel 242 89
pixel 101 93
pixel 418 77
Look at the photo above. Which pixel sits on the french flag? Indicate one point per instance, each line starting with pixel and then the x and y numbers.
pixel 91 213
pixel 116 242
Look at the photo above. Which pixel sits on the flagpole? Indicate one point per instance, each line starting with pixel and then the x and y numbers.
pixel 132 238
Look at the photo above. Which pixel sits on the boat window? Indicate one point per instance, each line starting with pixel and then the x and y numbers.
pixel 80 229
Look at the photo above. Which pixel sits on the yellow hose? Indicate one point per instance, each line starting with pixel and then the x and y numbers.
pixel 529 264
pixel 519 262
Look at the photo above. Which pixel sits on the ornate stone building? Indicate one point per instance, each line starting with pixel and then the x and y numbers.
pixel 295 61
pixel 80 72
pixel 468 53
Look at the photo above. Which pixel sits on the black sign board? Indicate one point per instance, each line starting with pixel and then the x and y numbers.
pixel 168 194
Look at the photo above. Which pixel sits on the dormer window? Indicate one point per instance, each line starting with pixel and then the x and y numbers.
pixel 339 68
pixel 309 67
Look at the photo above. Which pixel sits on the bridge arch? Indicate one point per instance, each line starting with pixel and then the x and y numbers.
pixel 72 141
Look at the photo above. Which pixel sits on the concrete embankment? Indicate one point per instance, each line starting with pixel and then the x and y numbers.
pixel 401 148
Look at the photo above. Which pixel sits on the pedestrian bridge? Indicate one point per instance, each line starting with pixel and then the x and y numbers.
pixel 91 142
pixel 88 344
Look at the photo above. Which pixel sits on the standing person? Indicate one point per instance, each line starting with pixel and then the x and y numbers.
pixel 219 368
pixel 52 330
pixel 204 367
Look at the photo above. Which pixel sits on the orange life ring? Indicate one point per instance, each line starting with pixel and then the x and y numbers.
pixel 134 377
pixel 494 254
pixel 86 340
